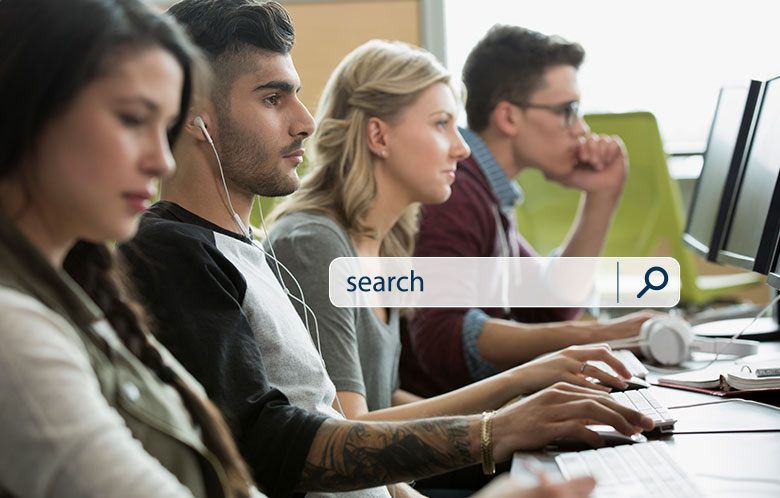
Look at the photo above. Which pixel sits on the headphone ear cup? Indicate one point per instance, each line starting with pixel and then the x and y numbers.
pixel 667 340
pixel 644 341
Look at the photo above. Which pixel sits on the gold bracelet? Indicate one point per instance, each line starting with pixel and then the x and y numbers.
pixel 488 464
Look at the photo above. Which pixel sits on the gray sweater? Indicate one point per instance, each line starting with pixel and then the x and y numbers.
pixel 361 352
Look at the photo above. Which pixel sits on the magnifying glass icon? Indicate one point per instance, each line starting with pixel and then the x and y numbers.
pixel 649 285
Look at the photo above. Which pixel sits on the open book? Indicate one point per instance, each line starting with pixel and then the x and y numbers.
pixel 739 375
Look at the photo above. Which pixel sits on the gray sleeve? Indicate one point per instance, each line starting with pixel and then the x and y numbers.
pixel 307 249
pixel 60 437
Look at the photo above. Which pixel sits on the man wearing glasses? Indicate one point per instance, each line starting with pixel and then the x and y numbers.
pixel 522 110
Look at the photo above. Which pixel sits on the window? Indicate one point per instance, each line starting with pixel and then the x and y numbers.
pixel 667 57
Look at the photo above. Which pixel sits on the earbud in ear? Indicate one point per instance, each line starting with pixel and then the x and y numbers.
pixel 198 121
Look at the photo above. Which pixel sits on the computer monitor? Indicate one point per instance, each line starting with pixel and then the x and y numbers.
pixel 773 277
pixel 714 189
pixel 754 222
pixel 773 280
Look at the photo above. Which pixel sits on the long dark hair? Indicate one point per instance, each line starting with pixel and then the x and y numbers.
pixel 51 50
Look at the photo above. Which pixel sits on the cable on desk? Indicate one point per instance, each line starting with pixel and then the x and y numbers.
pixel 766 308
pixel 719 431
pixel 752 402
pixel 749 401
pixel 701 404
pixel 736 336
pixel 740 479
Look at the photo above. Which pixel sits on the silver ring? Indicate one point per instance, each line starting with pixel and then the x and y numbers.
pixel 582 368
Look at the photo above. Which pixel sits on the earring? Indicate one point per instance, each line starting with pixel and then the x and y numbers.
pixel 382 153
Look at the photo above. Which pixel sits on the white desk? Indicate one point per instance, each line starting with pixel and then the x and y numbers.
pixel 742 464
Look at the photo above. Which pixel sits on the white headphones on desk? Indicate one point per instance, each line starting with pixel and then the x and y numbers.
pixel 670 341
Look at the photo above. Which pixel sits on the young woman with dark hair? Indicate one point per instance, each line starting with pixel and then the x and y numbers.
pixel 93 90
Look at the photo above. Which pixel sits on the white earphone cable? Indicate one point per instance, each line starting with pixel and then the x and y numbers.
pixel 722 346
pixel 248 234
pixel 736 336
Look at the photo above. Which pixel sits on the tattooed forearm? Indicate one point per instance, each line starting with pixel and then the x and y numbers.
pixel 355 455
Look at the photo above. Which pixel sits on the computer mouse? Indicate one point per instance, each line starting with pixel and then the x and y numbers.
pixel 636 383
pixel 632 383
pixel 609 435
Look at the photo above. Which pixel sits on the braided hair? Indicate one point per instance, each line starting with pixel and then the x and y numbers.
pixel 94 268
pixel 52 51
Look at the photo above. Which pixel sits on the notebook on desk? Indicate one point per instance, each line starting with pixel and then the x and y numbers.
pixel 731 378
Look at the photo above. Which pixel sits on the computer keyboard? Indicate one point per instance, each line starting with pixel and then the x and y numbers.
pixel 631 362
pixel 643 401
pixel 630 471
pixel 628 359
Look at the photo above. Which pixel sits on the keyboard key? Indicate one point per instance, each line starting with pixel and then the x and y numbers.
pixel 622 399
pixel 637 470
pixel 643 401
pixel 631 362
pixel 628 359
pixel 639 401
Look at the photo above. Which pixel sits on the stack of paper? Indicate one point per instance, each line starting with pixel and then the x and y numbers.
pixel 737 375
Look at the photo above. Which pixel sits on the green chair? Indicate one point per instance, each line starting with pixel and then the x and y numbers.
pixel 650 210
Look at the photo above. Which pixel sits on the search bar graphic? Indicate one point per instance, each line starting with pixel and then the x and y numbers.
pixel 504 282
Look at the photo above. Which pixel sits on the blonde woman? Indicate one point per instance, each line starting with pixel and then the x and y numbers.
pixel 387 141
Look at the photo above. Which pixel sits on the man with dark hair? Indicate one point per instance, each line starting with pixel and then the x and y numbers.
pixel 522 113
pixel 221 311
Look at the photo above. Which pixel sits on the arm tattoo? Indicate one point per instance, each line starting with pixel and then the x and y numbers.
pixel 355 455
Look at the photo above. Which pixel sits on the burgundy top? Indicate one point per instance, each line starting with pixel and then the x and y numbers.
pixel 434 356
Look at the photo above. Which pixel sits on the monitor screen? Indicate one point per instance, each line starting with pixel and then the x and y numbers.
pixel 751 235
pixel 722 160
pixel 773 279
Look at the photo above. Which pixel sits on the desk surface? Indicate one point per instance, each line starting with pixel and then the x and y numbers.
pixel 735 464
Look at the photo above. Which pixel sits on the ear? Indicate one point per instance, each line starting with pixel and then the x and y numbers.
pixel 203 108
pixel 376 136
pixel 506 118
pixel 194 130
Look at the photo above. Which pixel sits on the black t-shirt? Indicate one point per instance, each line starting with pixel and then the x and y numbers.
pixel 194 294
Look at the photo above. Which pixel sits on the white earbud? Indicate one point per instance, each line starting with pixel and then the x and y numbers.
pixel 198 121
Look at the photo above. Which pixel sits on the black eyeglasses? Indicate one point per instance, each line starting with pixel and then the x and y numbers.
pixel 569 110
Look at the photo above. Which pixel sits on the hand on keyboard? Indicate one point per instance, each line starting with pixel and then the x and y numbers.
pixel 643 401
pixel 562 410
pixel 567 366
pixel 628 359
